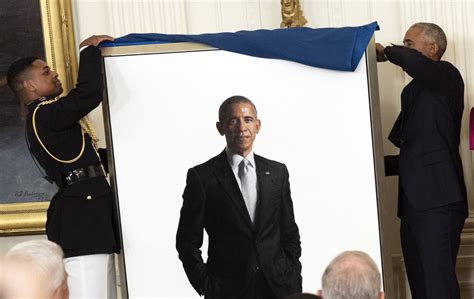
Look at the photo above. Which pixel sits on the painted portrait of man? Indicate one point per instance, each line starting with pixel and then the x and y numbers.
pixel 22 35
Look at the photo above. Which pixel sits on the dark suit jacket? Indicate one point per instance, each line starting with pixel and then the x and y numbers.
pixel 427 132
pixel 237 248
pixel 80 225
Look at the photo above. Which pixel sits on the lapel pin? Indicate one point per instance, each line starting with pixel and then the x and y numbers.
pixel 267 172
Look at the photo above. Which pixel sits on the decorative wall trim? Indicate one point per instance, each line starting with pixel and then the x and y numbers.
pixel 336 13
pixel 400 284
pixel 129 16
pixel 252 14
pixel 467 236
pixel 56 17
pixel 219 16
pixel 23 218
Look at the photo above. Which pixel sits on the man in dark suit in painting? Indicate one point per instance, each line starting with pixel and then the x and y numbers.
pixel 243 202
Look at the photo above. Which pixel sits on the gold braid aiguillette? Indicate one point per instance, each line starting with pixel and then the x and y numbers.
pixel 86 127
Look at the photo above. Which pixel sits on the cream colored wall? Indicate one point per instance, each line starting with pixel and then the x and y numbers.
pixel 8 242
pixel 118 18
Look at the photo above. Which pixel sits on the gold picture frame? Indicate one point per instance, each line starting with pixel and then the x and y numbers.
pixel 60 53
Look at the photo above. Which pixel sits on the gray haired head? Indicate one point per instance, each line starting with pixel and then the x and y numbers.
pixel 435 35
pixel 45 258
pixel 351 274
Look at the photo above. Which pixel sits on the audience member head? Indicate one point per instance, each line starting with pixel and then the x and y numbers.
pixel 239 123
pixel 350 275
pixel 31 78
pixel 427 38
pixel 34 269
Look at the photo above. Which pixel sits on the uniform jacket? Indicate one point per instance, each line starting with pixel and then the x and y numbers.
pixel 213 201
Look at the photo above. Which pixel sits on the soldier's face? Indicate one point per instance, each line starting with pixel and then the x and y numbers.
pixel 43 80
pixel 240 127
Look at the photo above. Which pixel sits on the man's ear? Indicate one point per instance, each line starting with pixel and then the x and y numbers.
pixel 381 295
pixel 434 49
pixel 220 129
pixel 29 85
pixel 259 125
pixel 62 292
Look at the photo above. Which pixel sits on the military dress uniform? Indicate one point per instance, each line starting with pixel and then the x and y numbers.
pixel 80 217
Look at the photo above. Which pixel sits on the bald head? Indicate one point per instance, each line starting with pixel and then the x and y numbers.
pixel 352 274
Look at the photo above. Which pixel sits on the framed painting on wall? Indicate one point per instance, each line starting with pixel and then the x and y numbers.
pixel 41 28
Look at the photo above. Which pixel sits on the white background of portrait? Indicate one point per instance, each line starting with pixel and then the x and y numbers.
pixel 163 111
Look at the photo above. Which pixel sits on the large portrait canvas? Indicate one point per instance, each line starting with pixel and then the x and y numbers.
pixel 161 111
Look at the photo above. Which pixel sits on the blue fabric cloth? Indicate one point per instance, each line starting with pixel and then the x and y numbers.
pixel 330 48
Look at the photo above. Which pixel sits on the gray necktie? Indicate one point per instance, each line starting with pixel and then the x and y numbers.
pixel 248 182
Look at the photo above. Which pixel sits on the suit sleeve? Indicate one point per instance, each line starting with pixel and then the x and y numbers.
pixel 82 99
pixel 189 237
pixel 289 230
pixel 436 75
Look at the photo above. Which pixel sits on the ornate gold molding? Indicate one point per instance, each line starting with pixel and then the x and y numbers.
pixel 291 14
pixel 60 51
pixel 23 218
pixel 58 33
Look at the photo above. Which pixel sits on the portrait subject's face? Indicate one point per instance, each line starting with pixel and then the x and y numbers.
pixel 44 80
pixel 240 127
pixel 416 39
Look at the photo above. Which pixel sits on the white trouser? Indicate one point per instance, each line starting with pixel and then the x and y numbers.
pixel 91 276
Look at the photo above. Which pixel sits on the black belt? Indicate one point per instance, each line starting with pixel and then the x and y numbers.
pixel 82 173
